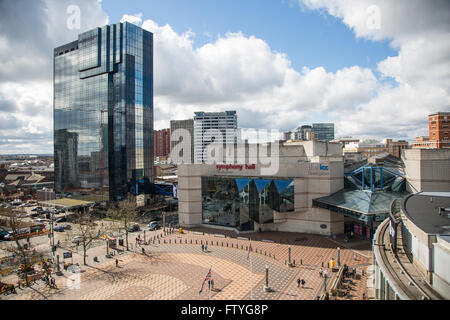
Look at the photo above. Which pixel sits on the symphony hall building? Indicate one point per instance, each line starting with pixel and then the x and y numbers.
pixel 274 195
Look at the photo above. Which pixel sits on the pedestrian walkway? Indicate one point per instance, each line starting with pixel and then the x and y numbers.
pixel 174 267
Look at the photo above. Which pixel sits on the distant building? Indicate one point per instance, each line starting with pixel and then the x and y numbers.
pixel 45 195
pixel 366 149
pixel 345 140
pixel 213 127
pixel 323 131
pixel 353 157
pixel 184 145
pixel 161 143
pixel 287 135
pixel 439 133
pixel 395 147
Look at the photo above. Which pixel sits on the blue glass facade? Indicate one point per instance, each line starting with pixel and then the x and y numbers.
pixel 103 111
pixel 239 202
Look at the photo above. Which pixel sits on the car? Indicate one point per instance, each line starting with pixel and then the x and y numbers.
pixel 77 239
pixel 153 222
pixel 4 235
pixel 154 226
pixel 59 229
pixel 62 219
pixel 67 227
pixel 34 215
pixel 39 220
pixel 134 228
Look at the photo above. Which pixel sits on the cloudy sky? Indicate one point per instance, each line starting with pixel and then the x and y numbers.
pixel 376 68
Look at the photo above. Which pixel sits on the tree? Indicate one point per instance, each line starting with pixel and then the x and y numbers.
pixel 85 230
pixel 124 212
pixel 26 256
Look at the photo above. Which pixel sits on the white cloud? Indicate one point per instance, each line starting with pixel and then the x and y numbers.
pixel 241 72
pixel 134 19
pixel 29 30
pixel 419 31
pixel 244 73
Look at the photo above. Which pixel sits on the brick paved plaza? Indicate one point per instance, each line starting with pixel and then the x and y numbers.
pixel 174 267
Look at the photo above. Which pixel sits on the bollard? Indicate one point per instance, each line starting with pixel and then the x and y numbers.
pixel 191 241
pixel 301 261
pixel 227 244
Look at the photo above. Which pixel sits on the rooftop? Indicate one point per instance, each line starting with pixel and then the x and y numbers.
pixel 430 211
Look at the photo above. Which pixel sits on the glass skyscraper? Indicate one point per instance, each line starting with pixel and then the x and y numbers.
pixel 323 131
pixel 103 112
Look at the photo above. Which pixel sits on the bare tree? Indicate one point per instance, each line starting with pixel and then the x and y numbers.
pixel 22 251
pixel 124 212
pixel 86 230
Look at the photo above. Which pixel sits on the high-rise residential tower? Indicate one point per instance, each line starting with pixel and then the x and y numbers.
pixel 103 111
pixel 210 127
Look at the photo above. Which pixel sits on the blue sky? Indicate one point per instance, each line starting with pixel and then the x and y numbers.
pixel 309 38
pixel 333 67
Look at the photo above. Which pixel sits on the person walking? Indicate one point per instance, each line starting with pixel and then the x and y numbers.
pixel 203 248
pixel 206 248
pixel 298 282
pixel 320 273
pixel 117 263
pixel 303 283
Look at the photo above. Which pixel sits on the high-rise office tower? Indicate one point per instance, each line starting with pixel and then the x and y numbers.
pixel 185 144
pixel 323 131
pixel 103 111
pixel 219 127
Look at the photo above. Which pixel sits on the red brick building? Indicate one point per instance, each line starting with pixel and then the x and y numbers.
pixel 161 143
pixel 439 137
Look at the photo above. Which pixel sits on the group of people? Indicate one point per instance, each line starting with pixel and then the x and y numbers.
pixel 322 273
pixel 50 281
pixel 204 248
pixel 300 282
